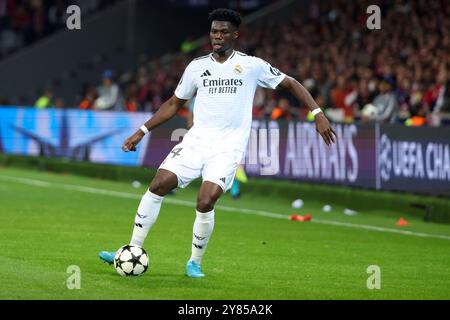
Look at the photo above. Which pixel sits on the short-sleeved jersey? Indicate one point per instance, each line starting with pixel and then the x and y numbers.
pixel 224 100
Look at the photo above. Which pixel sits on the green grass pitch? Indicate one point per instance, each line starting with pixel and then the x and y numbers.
pixel 50 222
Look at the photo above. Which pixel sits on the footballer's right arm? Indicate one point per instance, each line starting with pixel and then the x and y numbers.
pixel 167 110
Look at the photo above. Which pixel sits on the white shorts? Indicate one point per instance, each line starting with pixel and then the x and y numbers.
pixel 188 162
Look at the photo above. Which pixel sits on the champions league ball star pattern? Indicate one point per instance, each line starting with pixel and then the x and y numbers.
pixel 131 261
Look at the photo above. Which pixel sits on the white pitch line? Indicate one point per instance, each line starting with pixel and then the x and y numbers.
pixel 381 229
pixel 192 204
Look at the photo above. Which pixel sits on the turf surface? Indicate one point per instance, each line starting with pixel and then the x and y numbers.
pixel 50 222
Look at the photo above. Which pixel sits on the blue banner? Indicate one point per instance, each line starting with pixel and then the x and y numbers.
pixel 95 136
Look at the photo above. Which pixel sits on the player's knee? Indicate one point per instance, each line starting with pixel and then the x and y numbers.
pixel 163 183
pixel 160 188
pixel 205 204
pixel 156 189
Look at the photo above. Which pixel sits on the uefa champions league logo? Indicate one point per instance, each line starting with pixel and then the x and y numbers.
pixel 384 160
pixel 413 158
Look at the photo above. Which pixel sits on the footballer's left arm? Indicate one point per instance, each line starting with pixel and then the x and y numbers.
pixel 323 126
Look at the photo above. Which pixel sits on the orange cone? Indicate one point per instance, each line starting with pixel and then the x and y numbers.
pixel 296 217
pixel 402 223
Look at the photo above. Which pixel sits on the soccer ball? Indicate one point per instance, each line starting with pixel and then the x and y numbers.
pixel 131 261
pixel 369 111
pixel 297 204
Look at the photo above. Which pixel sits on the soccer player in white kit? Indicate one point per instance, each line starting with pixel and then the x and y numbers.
pixel 224 82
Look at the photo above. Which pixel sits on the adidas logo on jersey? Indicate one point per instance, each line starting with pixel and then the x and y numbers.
pixel 222 179
pixel 205 74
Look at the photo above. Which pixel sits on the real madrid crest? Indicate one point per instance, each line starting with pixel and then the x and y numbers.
pixel 238 69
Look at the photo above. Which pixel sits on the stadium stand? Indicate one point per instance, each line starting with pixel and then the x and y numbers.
pixel 23 22
pixel 393 75
pixel 346 66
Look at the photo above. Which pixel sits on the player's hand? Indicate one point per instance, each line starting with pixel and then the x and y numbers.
pixel 324 128
pixel 131 143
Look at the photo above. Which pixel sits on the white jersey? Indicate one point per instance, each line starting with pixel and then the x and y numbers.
pixel 224 101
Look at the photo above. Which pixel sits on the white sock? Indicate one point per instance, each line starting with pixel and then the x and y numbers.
pixel 146 216
pixel 203 228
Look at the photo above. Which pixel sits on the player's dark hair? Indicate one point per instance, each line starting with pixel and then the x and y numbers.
pixel 223 14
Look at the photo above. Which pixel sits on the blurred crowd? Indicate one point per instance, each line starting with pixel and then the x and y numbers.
pixel 398 74
pixel 23 22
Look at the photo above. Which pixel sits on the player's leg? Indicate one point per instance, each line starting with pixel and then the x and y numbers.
pixel 208 195
pixel 148 210
pixel 182 165
pixel 218 173
pixel 150 205
pixel 240 177
pixel 235 191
